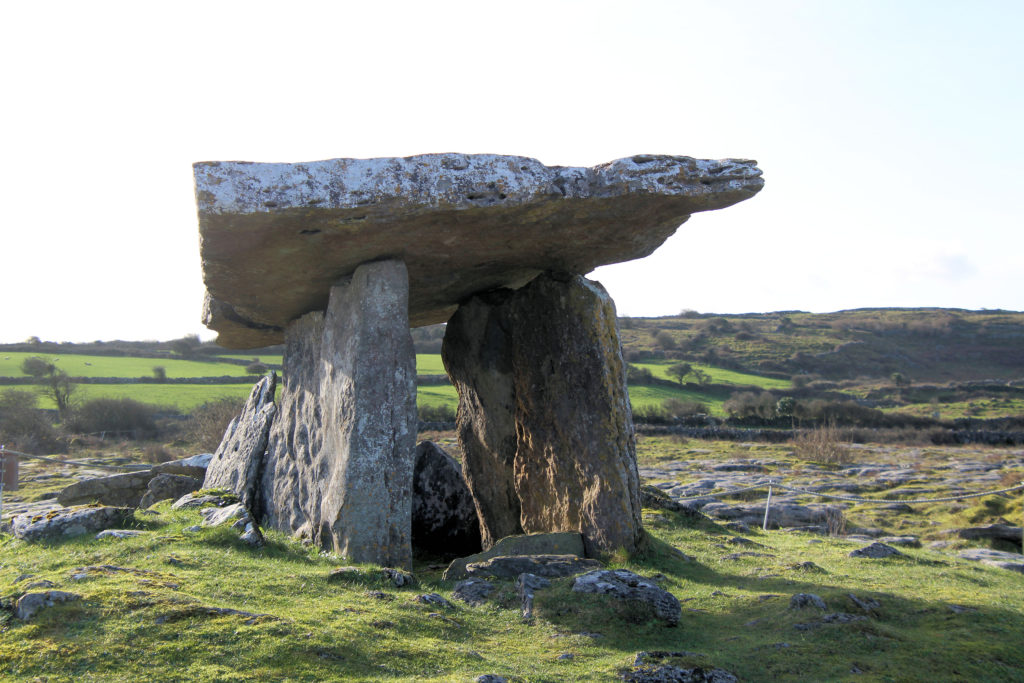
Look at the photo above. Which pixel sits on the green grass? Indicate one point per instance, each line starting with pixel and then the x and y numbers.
pixel 147 624
pixel 443 394
pixel 429 364
pixel 118 366
pixel 275 359
pixel 718 375
pixel 653 396
pixel 183 397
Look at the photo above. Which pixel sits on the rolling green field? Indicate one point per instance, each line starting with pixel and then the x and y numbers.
pixel 183 397
pixel 659 369
pixel 119 366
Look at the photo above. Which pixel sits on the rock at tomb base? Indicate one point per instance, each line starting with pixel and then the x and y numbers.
pixel 625 585
pixel 556 343
pixel 67 522
pixel 562 543
pixel 30 603
pixel 120 490
pixel 168 487
pixel 339 461
pixel 238 461
pixel 473 591
pixel 494 221
pixel 477 355
pixel 444 521
pixel 548 566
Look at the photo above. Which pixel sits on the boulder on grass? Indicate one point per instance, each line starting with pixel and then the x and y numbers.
pixel 624 585
pixel 67 522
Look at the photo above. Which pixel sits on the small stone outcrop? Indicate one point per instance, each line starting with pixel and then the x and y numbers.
pixel 527 586
pixel 876 551
pixel 339 463
pixel 551 566
pixel 995 558
pixel 168 487
pixel 624 585
pixel 473 591
pixel 574 464
pixel 30 604
pixel 563 543
pixel 444 521
pixel 67 522
pixel 238 461
pixel 120 490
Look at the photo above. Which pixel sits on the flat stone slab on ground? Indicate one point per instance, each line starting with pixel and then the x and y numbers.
pixel 463 223
pixel 995 558
pixel 67 522
pixel 558 543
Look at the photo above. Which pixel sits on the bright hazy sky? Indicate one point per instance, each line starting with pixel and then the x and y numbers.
pixel 889 132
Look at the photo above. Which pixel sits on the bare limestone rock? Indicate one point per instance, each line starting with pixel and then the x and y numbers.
pixel 444 521
pixel 574 467
pixel 29 604
pixel 237 464
pixel 462 223
pixel 339 461
pixel 67 522
pixel 477 355
pixel 169 487
pixel 627 586
pixel 122 490
pixel 563 543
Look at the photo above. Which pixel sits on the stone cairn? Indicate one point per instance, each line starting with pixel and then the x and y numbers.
pixel 339 258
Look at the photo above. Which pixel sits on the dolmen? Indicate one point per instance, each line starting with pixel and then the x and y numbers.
pixel 338 259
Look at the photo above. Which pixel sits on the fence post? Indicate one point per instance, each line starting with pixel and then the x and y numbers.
pixel 767 505
pixel 3 475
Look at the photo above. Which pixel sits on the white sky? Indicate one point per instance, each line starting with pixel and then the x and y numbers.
pixel 889 132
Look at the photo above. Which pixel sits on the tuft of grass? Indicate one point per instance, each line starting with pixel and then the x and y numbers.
pixel 822 445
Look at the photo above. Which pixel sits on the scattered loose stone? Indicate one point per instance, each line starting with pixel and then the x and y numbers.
pixel 807 566
pixel 876 551
pixel 837 618
pixel 868 605
pixel 473 591
pixel 490 678
pixel 674 674
pixel 526 586
pixel 66 522
pixel 379 595
pixel 1000 532
pixel 398 577
pixel 29 604
pixel 435 600
pixel 902 541
pixel 749 553
pixel 804 600
pixel 625 585
pixel 566 657
pixel 553 566
pixel 169 487
pixel 45 583
pixel 119 533
pixel 202 498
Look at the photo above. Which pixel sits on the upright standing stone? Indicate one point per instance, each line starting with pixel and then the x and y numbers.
pixel 555 380
pixel 340 458
pixel 478 357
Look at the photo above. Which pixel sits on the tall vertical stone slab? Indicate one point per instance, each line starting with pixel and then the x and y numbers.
pixel 477 354
pixel 575 464
pixel 341 453
pixel 553 374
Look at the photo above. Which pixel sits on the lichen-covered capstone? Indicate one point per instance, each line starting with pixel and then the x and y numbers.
pixel 339 461
pixel 462 223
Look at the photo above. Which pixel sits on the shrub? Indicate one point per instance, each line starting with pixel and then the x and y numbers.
pixel 208 422
pixel 665 340
pixel 120 415
pixel 751 404
pixel 821 444
pixel 436 413
pixel 160 373
pixel 677 408
pixel 23 427
pixel 156 454
pixel 256 368
pixel 635 375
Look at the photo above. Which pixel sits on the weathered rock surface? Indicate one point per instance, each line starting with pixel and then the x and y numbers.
pixel 779 514
pixel 199 499
pixel 511 566
pixel 574 466
pixel 625 585
pixel 805 600
pixel 123 490
pixel 876 551
pixel 63 523
pixel 563 543
pixel 168 487
pixel 444 521
pixel 473 591
pixel 527 586
pixel 339 463
pixel 462 223
pixel 237 464
pixel 29 604
pixel 995 558
pixel 477 355
pixel 1001 532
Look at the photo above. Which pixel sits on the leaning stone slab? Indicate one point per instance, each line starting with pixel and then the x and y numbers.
pixel 625 585
pixel 168 487
pixel 339 464
pixel 560 543
pixel 67 522
pixel 30 603
pixel 548 566
pixel 995 558
pixel 238 461
pixel 462 223
pixel 122 490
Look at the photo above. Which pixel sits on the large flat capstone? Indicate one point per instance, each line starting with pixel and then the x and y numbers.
pixel 276 237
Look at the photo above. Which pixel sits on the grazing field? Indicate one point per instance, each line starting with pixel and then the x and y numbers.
pixel 119 366
pixel 718 375
pixel 181 397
